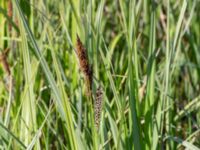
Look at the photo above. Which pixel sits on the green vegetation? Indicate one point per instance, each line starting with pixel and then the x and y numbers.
pixel 132 80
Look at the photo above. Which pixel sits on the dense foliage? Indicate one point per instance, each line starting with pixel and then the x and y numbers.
pixel 100 74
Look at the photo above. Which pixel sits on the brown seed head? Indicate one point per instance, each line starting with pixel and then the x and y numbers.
pixel 3 60
pixel 84 64
pixel 10 14
pixel 82 56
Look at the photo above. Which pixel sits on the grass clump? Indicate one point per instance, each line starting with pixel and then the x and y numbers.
pixel 137 60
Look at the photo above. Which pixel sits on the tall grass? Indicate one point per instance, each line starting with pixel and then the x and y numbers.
pixel 133 85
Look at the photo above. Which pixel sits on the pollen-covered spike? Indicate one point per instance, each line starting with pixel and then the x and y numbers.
pixel 98 106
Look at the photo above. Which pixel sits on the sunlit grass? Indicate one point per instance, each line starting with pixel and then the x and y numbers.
pixel 144 56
